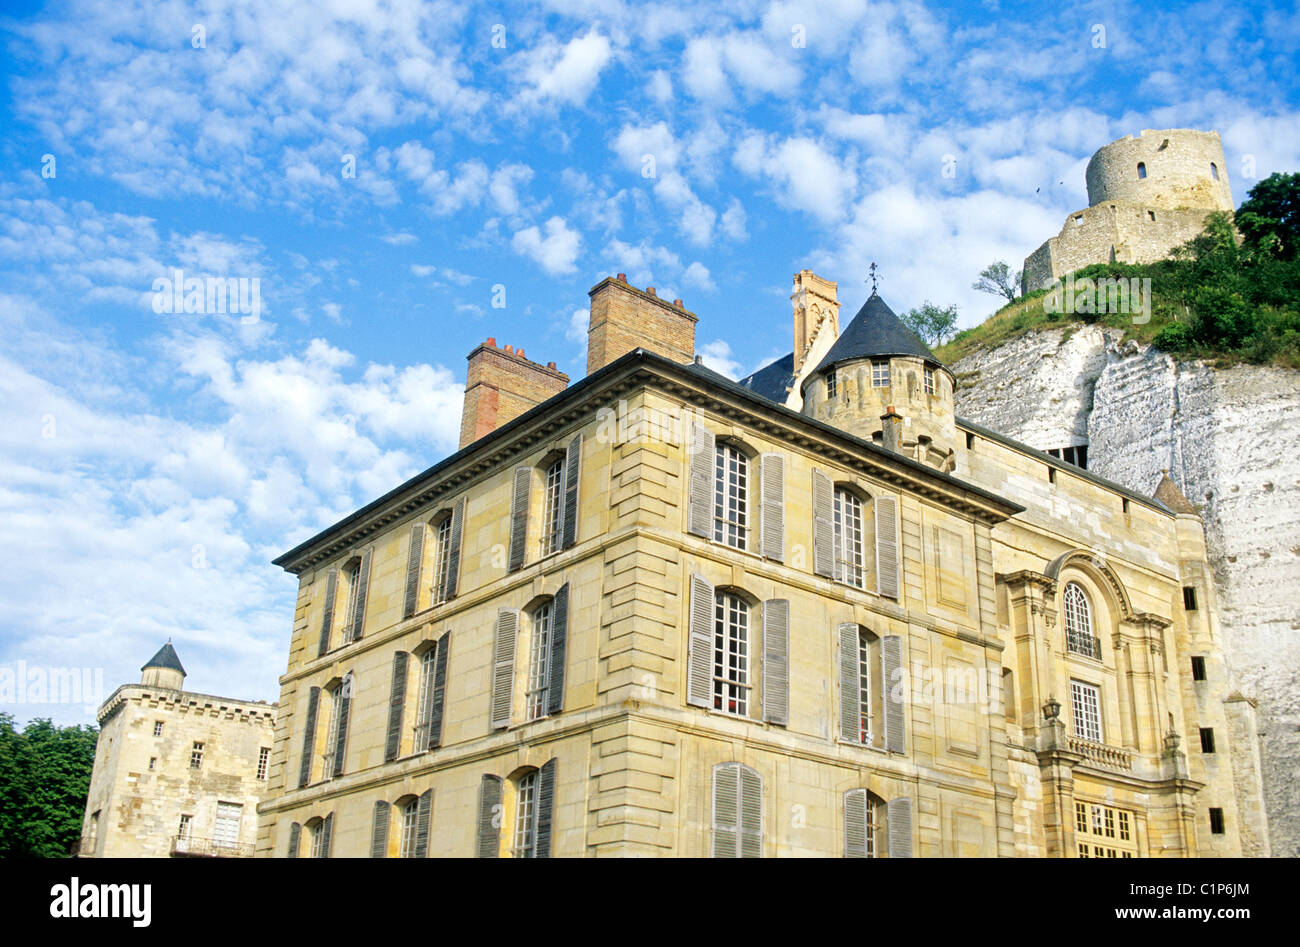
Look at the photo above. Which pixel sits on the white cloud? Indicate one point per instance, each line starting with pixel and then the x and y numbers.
pixel 567 74
pixel 697 275
pixel 718 356
pixel 556 252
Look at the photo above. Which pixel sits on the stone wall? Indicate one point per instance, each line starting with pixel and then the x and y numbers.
pixel 1226 436
pixel 1181 167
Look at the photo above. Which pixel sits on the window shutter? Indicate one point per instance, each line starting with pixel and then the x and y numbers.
pixel 309 737
pixel 726 802
pixel 559 647
pixel 772 474
pixel 545 807
pixel 295 836
pixel 700 501
pixel 891 679
pixel 439 692
pixel 363 585
pixel 341 744
pixel 396 706
pixel 379 833
pixel 823 531
pixel 850 685
pixel 899 815
pixel 855 823
pixel 776 661
pixel 503 666
pixel 327 831
pixel 887 546
pixel 751 813
pixel 699 670
pixel 519 516
pixel 414 560
pixel 327 619
pixel 422 815
pixel 572 471
pixel 489 817
pixel 452 577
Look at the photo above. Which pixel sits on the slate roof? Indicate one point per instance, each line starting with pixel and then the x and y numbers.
pixel 772 381
pixel 165 658
pixel 874 332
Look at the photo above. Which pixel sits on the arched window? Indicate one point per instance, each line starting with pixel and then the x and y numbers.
pixel 552 507
pixel 1142 170
pixel 318 832
pixel 847 521
pixel 539 664
pixel 410 817
pixel 730 496
pixel 1078 622
pixel 1214 171
pixel 731 678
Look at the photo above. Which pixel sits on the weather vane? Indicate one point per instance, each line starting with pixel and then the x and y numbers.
pixel 875 276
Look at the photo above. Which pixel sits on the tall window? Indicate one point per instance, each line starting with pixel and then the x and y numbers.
pixel 1214 171
pixel 731 654
pixel 225 831
pixel 1078 622
pixel 317 830
pixel 1085 701
pixel 863 824
pixel 410 819
pixel 552 508
pixel 352 575
pixel 263 761
pixel 880 374
pixel 730 496
pixel 442 550
pixel 428 666
pixel 539 674
pixel 1142 170
pixel 848 539
pixel 864 689
pixel 183 830
pixel 157 728
pixel 196 756
pixel 830 384
pixel 526 818
pixel 929 380
pixel 332 739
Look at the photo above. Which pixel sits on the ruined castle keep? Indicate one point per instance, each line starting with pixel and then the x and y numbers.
pixel 1146 195
pixel 816 614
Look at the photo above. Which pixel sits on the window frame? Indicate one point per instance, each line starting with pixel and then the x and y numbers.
pixel 408 827
pixel 552 521
pixel 537 689
pixel 441 557
pixel 731 640
pixel 196 754
pixel 1076 609
pixel 731 495
pixel 880 373
pixel 1079 707
pixel 929 381
pixel 843 502
pixel 527 812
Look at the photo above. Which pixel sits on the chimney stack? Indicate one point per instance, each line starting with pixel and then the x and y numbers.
pixel 892 430
pixel 624 318
pixel 502 384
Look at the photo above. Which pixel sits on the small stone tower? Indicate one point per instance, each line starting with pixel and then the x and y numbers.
pixel 164 669
pixel 879 382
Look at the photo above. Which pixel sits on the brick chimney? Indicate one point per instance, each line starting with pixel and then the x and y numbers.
pixel 891 430
pixel 624 318
pixel 502 384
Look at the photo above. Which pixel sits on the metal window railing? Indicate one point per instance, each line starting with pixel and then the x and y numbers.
pixel 1087 645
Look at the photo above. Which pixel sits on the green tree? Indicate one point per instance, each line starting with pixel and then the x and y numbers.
pixel 44 780
pixel 932 323
pixel 996 278
pixel 1269 218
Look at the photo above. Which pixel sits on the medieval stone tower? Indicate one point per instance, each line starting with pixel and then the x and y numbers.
pixel 1146 194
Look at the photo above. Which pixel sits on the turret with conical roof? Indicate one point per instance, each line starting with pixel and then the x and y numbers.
pixel 881 383
pixel 164 669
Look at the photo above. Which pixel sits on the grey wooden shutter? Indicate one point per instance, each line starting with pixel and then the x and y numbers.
pixel 559 648
pixel 519 515
pixel 489 817
pixel 572 473
pixel 423 812
pixel 345 709
pixel 776 661
pixel 363 586
pixel 452 577
pixel 772 514
pixel 439 692
pixel 379 830
pixel 327 618
pixel 850 685
pixel 309 737
pixel 887 546
pixel 703 447
pixel 855 823
pixel 899 815
pixel 545 807
pixel 823 530
pixel 396 707
pixel 891 681
pixel 751 813
pixel 503 666
pixel 295 837
pixel 726 810
pixel 414 562
pixel 699 662
pixel 327 833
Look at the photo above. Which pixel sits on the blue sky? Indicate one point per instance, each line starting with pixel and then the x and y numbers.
pixel 154 463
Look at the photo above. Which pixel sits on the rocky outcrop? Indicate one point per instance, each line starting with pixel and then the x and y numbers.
pixel 1228 437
